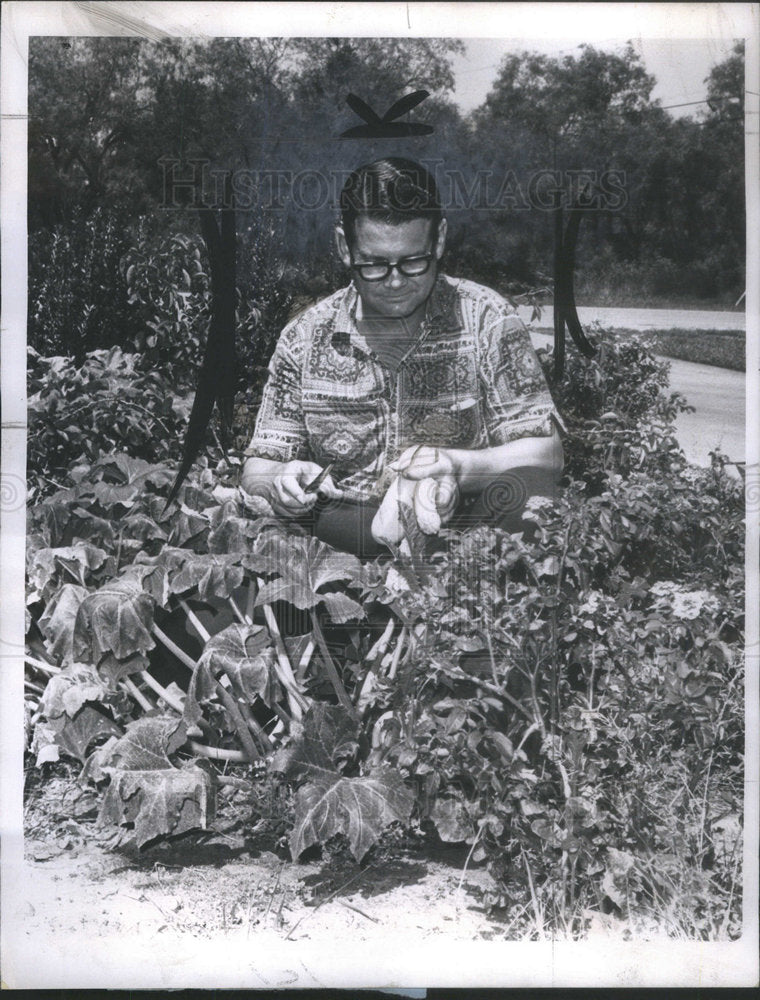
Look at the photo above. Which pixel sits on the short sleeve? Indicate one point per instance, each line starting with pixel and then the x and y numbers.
pixel 518 403
pixel 280 432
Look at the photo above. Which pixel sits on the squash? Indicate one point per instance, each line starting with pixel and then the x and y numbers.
pixel 433 502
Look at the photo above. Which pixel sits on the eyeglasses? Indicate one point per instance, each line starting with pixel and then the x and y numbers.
pixel 378 270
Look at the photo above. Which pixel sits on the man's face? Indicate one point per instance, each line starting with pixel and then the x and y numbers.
pixel 396 296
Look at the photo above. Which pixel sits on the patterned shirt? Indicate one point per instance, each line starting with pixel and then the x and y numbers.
pixel 470 380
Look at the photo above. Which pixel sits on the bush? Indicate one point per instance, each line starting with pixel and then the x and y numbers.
pixel 705 347
pixel 108 404
pixel 77 295
pixel 618 414
pixel 169 296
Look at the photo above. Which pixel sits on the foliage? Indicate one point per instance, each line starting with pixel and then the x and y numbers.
pixel 146 793
pixel 168 290
pixel 78 412
pixel 130 127
pixel 77 294
pixel 575 95
pixel 567 702
pixel 329 802
pixel 618 415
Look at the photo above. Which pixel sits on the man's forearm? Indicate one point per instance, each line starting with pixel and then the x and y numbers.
pixel 475 468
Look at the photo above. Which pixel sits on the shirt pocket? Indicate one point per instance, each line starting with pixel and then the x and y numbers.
pixel 343 432
pixel 443 424
pixel 443 405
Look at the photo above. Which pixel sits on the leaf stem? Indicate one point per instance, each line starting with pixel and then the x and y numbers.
pixel 238 613
pixel 165 695
pixel 331 669
pixel 251 601
pixel 298 703
pixel 494 689
pixel 173 648
pixel 491 657
pixel 397 652
pixel 252 754
pixel 197 624
pixel 303 663
pixel 364 684
pixel 137 694
pixel 46 668
pixel 382 642
pixel 481 828
pixel 217 753
pixel 245 710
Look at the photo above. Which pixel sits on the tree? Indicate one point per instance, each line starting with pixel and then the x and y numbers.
pixel 84 113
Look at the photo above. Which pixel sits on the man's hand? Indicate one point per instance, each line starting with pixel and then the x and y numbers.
pixel 282 483
pixel 473 470
pixel 426 461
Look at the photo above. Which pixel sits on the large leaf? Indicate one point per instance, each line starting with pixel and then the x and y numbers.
pixel 68 691
pixel 341 608
pixel 52 518
pixel 231 532
pixel 50 568
pixel 451 820
pixel 58 620
pixel 126 469
pixel 158 802
pixel 187 525
pixel 330 803
pixel 201 692
pixel 212 575
pixel 244 654
pixel 322 743
pixel 304 565
pixel 147 743
pixel 138 527
pixel 71 705
pixel 76 735
pixel 114 669
pixel 359 808
pixel 116 619
pixel 153 577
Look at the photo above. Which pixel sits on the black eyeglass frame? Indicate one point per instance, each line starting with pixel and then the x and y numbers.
pixel 389 265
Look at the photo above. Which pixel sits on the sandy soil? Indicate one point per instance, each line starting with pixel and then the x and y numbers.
pixel 221 889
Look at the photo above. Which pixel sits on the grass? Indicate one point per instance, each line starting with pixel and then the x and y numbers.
pixel 719 348
pixel 723 349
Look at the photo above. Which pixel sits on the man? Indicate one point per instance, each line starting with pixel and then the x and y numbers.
pixel 404 372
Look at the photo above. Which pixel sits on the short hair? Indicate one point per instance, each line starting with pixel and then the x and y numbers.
pixel 393 190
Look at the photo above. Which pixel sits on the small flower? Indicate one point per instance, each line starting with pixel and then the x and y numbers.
pixel 395 583
pixel 591 605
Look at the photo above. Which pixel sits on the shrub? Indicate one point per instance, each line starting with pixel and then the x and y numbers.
pixel 168 290
pixel 109 403
pixel 77 296
pixel 617 411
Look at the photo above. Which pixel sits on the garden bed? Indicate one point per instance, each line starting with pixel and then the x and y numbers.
pixel 563 709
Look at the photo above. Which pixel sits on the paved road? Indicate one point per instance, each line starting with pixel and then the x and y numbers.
pixel 649 319
pixel 718 396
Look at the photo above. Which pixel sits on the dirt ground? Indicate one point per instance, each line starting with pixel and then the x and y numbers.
pixel 229 908
pixel 225 883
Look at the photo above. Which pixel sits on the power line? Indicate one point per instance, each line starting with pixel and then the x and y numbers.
pixel 686 104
